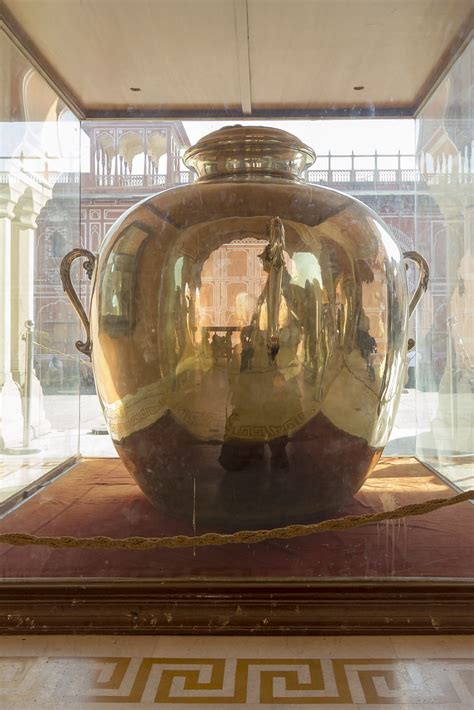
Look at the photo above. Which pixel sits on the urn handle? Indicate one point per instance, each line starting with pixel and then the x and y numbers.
pixel 424 275
pixel 65 273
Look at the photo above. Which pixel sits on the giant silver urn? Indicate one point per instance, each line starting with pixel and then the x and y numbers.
pixel 248 334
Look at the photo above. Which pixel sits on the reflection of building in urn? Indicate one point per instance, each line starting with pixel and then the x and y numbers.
pixel 230 278
pixel 249 398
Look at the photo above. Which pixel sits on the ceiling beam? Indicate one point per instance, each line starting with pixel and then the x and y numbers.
pixel 243 54
pixel 277 113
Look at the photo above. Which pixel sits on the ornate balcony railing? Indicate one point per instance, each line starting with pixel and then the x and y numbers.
pixel 351 179
pixel 330 177
pixel 387 177
pixel 398 180
pixel 126 181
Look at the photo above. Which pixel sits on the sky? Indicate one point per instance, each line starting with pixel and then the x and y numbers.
pixel 387 136
pixel 363 136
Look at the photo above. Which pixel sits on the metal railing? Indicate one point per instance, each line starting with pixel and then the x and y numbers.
pixel 326 177
pixel 330 177
pixel 123 181
pixel 351 179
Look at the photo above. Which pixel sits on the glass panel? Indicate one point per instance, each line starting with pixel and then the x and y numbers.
pixel 211 328
pixel 39 223
pixel 444 360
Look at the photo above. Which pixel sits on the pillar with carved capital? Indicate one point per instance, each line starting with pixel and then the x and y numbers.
pixel 11 418
pixel 451 428
pixel 22 299
pixel 22 277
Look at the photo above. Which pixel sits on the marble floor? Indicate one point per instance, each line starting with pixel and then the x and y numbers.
pixel 405 672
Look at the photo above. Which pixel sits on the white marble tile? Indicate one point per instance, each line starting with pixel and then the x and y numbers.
pixel 433 646
pixel 340 646
pixel 23 645
pixel 279 646
pixel 283 646
pixel 416 706
pixel 79 645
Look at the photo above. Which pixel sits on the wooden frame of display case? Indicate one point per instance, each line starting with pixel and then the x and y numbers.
pixel 172 604
pixel 237 607
pixel 79 599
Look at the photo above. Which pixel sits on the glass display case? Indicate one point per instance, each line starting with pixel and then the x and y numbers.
pixel 40 222
pixel 205 274
pixel 444 362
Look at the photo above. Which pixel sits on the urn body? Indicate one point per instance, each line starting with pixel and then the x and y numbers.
pixel 248 334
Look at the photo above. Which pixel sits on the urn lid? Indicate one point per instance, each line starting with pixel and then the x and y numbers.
pixel 249 150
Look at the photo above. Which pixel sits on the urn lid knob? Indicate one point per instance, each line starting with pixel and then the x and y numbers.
pixel 249 150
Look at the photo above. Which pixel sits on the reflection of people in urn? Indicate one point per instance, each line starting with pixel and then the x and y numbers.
pixel 411 363
pixel 367 345
pixel 247 348
pixel 265 399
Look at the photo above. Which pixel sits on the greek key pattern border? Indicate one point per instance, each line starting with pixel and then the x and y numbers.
pixel 219 681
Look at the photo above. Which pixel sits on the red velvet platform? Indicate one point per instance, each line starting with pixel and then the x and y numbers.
pixel 98 497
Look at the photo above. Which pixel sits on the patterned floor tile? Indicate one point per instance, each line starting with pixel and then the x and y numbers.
pixel 103 671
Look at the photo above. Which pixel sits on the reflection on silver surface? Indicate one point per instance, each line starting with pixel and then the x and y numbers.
pixel 249 337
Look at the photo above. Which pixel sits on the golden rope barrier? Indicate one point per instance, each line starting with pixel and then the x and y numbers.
pixel 247 537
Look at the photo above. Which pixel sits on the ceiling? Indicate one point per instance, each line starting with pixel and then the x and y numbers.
pixel 241 57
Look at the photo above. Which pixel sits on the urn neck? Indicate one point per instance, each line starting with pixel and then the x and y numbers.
pixel 246 151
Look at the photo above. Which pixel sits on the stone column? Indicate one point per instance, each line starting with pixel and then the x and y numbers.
pixel 11 418
pixel 22 278
pixel 452 426
pixel 23 238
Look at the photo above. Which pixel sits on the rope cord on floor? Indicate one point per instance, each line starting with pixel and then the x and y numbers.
pixel 247 537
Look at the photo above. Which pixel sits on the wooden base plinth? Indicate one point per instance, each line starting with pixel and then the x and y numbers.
pixel 412 576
